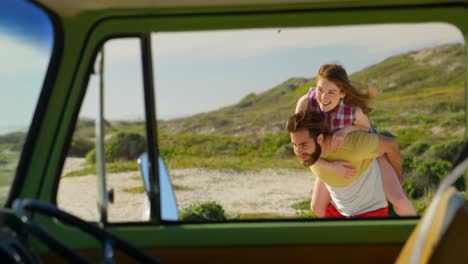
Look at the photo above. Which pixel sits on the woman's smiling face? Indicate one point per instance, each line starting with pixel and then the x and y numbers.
pixel 328 95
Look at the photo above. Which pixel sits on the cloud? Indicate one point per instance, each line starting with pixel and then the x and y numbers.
pixel 375 38
pixel 22 58
pixel 123 50
pixel 221 43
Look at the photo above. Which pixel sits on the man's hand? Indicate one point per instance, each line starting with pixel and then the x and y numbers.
pixel 343 168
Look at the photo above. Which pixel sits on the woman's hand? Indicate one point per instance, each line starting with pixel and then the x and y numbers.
pixel 338 138
pixel 343 168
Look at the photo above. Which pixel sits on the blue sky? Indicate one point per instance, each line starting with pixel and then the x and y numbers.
pixel 208 70
pixel 204 71
pixel 26 44
pixel 198 71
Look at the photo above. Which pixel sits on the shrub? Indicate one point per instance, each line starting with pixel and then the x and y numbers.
pixel 91 156
pixel 248 100
pixel 13 138
pixel 123 146
pixel 202 211
pixel 302 205
pixel 423 202
pixel 407 161
pixel 417 148
pixel 407 136
pixel 80 147
pixel 126 146
pixel 306 214
pixel 285 151
pixel 167 152
pixel 303 210
pixel 448 151
pixel 412 191
pixel 433 170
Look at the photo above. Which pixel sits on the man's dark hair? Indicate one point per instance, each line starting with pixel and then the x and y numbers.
pixel 312 121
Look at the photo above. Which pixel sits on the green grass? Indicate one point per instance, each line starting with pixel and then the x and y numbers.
pixel 141 189
pixel 135 190
pixel 229 162
pixel 110 168
pixel 178 187
pixel 303 210
pixel 306 214
pixel 6 178
pixel 252 216
pixel 421 204
pixel 303 205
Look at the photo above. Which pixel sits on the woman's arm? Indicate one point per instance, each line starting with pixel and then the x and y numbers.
pixel 301 105
pixel 361 122
pixel 391 149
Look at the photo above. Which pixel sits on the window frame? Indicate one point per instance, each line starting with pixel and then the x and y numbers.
pixel 268 232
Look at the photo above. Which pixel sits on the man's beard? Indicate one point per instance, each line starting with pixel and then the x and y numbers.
pixel 313 157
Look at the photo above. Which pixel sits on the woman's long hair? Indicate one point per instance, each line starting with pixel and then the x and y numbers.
pixel 354 94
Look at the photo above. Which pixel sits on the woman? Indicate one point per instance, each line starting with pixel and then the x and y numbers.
pixel 346 109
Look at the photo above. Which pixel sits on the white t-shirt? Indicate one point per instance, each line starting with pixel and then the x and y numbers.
pixel 364 195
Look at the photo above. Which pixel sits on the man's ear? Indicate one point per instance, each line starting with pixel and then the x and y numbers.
pixel 320 139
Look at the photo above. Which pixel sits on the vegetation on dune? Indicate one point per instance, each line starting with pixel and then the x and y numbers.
pixel 12 142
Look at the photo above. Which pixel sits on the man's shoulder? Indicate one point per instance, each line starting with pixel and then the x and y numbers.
pixel 359 134
pixel 360 137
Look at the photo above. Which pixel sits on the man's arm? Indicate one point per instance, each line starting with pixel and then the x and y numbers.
pixel 340 167
pixel 391 149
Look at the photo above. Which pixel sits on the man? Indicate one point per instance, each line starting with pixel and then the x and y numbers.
pixel 358 196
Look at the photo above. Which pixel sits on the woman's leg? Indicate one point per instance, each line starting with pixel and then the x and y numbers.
pixel 320 198
pixel 393 190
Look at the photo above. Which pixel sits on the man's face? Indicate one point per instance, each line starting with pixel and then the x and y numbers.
pixel 305 147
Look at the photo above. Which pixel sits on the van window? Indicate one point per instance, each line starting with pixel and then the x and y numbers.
pixel 223 98
pixel 124 138
pixel 26 39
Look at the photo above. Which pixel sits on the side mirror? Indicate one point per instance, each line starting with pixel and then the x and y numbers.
pixel 167 199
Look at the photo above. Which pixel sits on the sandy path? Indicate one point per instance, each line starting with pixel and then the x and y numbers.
pixel 267 191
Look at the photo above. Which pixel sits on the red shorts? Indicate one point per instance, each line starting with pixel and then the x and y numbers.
pixel 333 213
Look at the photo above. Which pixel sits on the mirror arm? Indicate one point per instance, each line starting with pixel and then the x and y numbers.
pixel 148 87
pixel 100 159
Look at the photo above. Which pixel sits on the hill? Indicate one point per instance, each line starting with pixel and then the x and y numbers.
pixel 419 90
pixel 255 114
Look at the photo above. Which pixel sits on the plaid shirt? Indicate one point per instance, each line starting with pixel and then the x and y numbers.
pixel 342 115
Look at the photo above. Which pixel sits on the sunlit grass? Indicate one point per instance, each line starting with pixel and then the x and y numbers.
pixel 232 163
pixel 134 190
pixel 110 168
pixel 253 216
